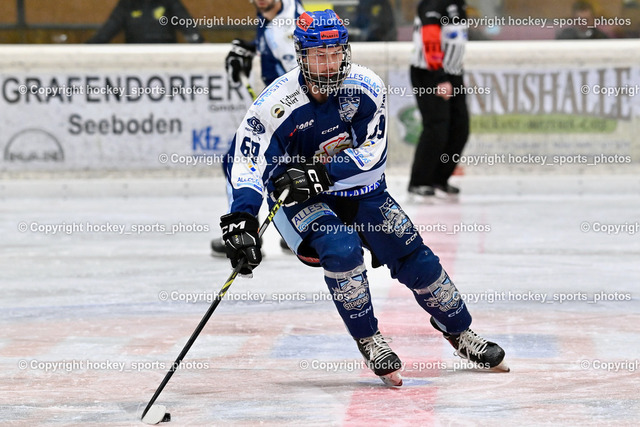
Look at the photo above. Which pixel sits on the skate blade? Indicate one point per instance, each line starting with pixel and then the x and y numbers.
pixel 392 380
pixel 416 199
pixel 501 367
pixel 448 197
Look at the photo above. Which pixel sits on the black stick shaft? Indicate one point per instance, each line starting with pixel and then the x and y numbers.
pixel 213 307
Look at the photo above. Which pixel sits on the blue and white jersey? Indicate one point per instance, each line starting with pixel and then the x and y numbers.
pixel 274 41
pixel 284 126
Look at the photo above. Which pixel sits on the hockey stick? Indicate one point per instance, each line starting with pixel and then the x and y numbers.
pixel 155 414
pixel 247 85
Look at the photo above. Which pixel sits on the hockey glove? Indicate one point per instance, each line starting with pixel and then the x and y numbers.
pixel 304 181
pixel 240 235
pixel 239 59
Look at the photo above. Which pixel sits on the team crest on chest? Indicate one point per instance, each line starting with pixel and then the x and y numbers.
pixel 334 145
pixel 348 107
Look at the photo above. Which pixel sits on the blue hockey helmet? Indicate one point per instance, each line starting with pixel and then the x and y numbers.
pixel 322 49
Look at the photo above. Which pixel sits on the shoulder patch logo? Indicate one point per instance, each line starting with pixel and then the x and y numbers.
pixel 348 107
pixel 277 111
pixel 256 125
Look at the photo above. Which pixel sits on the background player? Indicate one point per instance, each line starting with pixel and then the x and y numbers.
pixel 274 43
pixel 436 71
pixel 140 20
pixel 334 124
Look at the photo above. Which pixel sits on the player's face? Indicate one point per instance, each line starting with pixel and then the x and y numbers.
pixel 324 62
pixel 264 5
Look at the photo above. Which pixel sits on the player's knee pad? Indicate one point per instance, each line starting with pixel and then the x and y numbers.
pixel 418 269
pixel 338 251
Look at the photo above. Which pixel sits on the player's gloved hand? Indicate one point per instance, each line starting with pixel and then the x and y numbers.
pixel 240 235
pixel 239 59
pixel 304 181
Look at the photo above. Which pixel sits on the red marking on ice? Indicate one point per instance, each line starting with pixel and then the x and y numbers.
pixel 416 403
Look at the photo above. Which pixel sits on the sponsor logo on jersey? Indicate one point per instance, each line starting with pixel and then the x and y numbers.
pixel 246 180
pixel 366 82
pixel 303 219
pixel 255 125
pixel 362 157
pixel 348 107
pixel 277 111
pixel 326 131
pixel 304 126
pixel 269 90
pixel 290 99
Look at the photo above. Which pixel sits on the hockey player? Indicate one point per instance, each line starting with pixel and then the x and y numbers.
pixel 276 20
pixel 142 22
pixel 321 131
pixel 440 35
pixel 277 55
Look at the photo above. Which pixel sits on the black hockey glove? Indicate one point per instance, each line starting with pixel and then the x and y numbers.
pixel 304 181
pixel 240 235
pixel 239 59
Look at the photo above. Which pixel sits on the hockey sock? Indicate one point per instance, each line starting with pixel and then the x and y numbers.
pixel 442 300
pixel 350 290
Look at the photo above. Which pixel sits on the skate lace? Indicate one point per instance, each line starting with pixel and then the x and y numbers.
pixel 472 343
pixel 376 347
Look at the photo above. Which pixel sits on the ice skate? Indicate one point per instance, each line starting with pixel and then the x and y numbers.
pixel 447 189
pixel 422 190
pixel 471 346
pixel 381 359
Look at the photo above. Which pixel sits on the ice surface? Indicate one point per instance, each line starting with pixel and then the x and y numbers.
pixel 91 321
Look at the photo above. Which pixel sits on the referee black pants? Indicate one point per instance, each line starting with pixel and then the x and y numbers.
pixel 445 129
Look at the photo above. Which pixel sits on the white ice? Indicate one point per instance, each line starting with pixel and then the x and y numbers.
pixel 91 320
